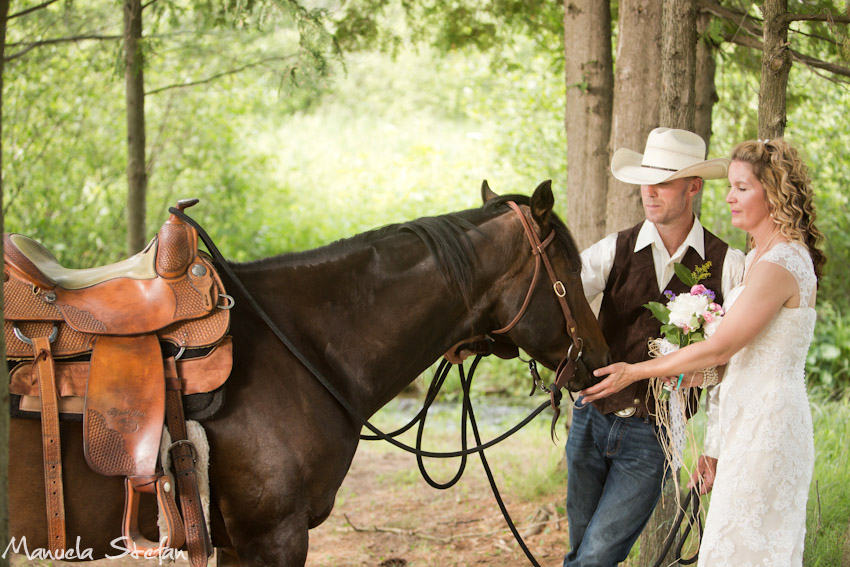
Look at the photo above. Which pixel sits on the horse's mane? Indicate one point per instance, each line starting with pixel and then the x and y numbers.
pixel 446 237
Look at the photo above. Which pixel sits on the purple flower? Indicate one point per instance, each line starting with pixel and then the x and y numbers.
pixel 669 295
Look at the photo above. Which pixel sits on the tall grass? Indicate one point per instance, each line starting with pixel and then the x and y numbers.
pixel 828 517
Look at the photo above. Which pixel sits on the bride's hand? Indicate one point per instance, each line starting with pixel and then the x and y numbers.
pixel 618 377
pixel 704 475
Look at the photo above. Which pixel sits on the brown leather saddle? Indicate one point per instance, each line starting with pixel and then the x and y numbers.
pixel 110 343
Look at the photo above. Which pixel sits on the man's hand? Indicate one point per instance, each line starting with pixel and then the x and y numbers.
pixel 704 475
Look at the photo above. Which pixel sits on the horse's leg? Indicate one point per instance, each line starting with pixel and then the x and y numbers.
pixel 226 557
pixel 283 545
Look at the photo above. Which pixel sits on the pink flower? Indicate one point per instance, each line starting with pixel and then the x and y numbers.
pixel 708 317
pixel 698 289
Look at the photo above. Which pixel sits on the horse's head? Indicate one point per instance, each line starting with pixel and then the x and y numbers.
pixel 540 304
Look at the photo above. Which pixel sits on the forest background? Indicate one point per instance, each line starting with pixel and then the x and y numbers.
pixel 299 126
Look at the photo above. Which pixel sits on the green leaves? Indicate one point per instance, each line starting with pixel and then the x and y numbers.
pixel 684 274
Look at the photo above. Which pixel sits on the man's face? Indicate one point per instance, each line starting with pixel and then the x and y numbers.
pixel 669 202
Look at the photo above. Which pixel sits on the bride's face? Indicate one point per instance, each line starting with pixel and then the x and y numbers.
pixel 746 197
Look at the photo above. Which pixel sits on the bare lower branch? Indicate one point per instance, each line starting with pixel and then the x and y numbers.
pixel 27 47
pixel 31 9
pixel 218 75
pixel 788 17
pixel 812 62
pixel 753 25
pixel 743 20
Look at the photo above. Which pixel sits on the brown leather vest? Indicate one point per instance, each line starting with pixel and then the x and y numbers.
pixel 628 326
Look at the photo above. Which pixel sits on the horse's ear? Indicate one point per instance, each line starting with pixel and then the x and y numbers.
pixel 542 202
pixel 486 192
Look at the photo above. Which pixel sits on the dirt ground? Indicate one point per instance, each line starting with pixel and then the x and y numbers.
pixel 379 523
pixel 387 516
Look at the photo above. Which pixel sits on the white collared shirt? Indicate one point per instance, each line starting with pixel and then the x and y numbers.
pixel 598 259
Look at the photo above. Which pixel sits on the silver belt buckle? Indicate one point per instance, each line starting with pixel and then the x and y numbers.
pixel 626 412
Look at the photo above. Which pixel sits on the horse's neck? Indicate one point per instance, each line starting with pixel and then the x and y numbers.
pixel 376 316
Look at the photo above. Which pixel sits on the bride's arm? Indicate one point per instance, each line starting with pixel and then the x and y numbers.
pixel 768 288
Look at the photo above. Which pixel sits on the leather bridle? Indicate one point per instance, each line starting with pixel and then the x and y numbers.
pixel 565 371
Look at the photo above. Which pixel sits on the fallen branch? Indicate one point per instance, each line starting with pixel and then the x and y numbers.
pixel 449 539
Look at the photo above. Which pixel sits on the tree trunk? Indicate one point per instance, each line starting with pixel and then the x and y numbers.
pixel 678 64
pixel 678 104
pixel 137 178
pixel 706 92
pixel 590 83
pixel 775 66
pixel 4 375
pixel 636 100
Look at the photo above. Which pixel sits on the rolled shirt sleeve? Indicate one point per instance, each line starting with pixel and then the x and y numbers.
pixel 596 263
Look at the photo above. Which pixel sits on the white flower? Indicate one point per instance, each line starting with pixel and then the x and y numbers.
pixel 685 310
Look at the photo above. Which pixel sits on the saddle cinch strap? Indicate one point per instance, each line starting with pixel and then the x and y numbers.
pixel 119 314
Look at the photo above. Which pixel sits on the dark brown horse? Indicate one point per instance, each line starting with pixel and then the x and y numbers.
pixel 371 313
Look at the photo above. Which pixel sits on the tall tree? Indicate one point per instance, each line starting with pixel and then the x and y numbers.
pixel 769 37
pixel 636 100
pixel 134 89
pixel 775 66
pixel 677 110
pixel 589 99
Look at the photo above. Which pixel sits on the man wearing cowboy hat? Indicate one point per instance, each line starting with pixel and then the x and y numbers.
pixel 615 463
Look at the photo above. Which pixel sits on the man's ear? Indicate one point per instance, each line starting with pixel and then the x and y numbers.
pixel 695 186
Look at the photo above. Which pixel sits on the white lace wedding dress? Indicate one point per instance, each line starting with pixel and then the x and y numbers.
pixel 757 514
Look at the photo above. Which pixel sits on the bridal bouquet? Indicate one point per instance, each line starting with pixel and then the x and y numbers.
pixel 688 317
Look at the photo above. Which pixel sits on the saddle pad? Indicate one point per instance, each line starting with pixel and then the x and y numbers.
pixel 125 406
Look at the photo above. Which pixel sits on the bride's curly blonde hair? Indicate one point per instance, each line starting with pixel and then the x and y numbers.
pixel 785 178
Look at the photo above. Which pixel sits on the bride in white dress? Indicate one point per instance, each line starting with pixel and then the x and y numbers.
pixel 759 447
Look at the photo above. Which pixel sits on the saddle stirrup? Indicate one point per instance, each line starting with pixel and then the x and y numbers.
pixel 175 535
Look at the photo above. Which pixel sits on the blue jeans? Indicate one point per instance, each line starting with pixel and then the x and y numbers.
pixel 615 469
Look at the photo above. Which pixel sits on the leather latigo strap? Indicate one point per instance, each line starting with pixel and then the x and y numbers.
pixel 182 455
pixel 50 443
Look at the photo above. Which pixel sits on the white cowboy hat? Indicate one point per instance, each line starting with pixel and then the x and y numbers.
pixel 669 154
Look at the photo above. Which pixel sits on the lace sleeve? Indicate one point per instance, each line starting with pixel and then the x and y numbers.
pixel 795 258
